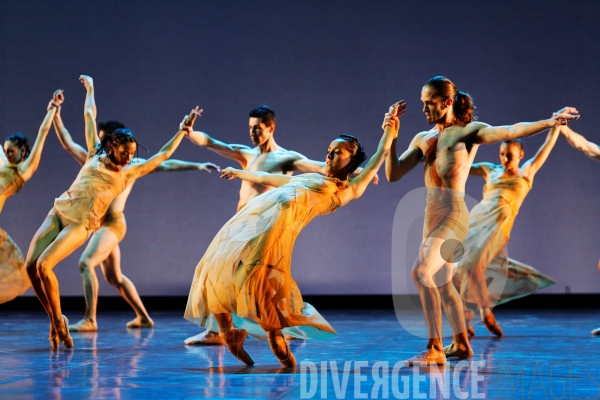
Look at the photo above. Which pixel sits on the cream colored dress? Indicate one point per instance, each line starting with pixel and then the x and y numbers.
pixel 90 195
pixel 246 270
pixel 490 223
pixel 13 275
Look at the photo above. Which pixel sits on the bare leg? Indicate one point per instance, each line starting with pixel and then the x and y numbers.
pixel 234 338
pixel 453 306
pixel 111 268
pixel 424 273
pixel 469 314
pixel 280 348
pixel 42 238
pixel 67 241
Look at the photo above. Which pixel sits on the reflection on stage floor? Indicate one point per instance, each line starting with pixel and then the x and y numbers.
pixel 544 354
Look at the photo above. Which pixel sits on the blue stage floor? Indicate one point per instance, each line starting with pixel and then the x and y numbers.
pixel 543 355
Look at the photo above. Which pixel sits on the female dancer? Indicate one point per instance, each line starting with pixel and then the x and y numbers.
pixel 79 211
pixel 17 165
pixel 490 223
pixel 244 278
pixel 103 248
pixel 590 149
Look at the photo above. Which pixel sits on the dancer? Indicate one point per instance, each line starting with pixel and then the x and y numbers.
pixel 79 211
pixel 266 156
pixel 17 166
pixel 590 149
pixel 448 150
pixel 244 278
pixel 103 248
pixel 490 223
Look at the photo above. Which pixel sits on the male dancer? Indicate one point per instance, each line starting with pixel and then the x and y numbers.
pixel 592 150
pixel 448 150
pixel 266 156
pixel 103 248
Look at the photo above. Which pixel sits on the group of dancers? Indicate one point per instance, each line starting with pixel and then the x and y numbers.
pixel 243 283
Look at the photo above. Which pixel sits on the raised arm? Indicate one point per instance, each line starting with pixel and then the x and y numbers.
pixel 480 169
pixel 260 177
pixel 147 166
pixel 29 166
pixel 391 125
pixel 486 134
pixel 89 114
pixel 592 150
pixel 235 152
pixel 178 165
pixel 79 153
pixel 532 166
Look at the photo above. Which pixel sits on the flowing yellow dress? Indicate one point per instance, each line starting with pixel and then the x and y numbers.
pixel 485 245
pixel 13 276
pixel 246 270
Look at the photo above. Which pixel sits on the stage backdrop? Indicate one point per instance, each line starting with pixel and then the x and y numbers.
pixel 326 68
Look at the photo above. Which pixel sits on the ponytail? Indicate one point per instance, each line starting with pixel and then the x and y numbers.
pixel 463 107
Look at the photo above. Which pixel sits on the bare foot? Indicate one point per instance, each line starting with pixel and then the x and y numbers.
pixel 459 351
pixel 428 357
pixel 206 338
pixel 85 325
pixel 596 331
pixel 490 323
pixel 139 323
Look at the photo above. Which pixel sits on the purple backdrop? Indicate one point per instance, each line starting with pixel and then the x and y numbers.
pixel 326 68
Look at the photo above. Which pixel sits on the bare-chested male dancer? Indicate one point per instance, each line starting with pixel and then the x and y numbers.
pixel 448 150
pixel 266 156
pixel 103 248
pixel 590 149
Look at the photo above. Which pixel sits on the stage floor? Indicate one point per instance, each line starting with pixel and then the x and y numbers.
pixel 544 354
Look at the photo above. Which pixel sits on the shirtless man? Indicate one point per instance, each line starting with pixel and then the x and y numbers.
pixel 266 156
pixel 448 150
pixel 103 247
pixel 592 150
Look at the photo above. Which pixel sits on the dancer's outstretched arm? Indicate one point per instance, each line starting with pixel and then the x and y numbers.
pixel 29 166
pixel 480 169
pixel 260 177
pixel 237 152
pixel 306 165
pixel 533 165
pixel 89 113
pixel 178 165
pixel 358 185
pixel 138 170
pixel 485 134
pixel 592 150
pixel 64 137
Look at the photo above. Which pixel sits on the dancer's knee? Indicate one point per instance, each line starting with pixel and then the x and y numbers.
pixel 422 276
pixel 113 279
pixel 85 266
pixel 44 267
